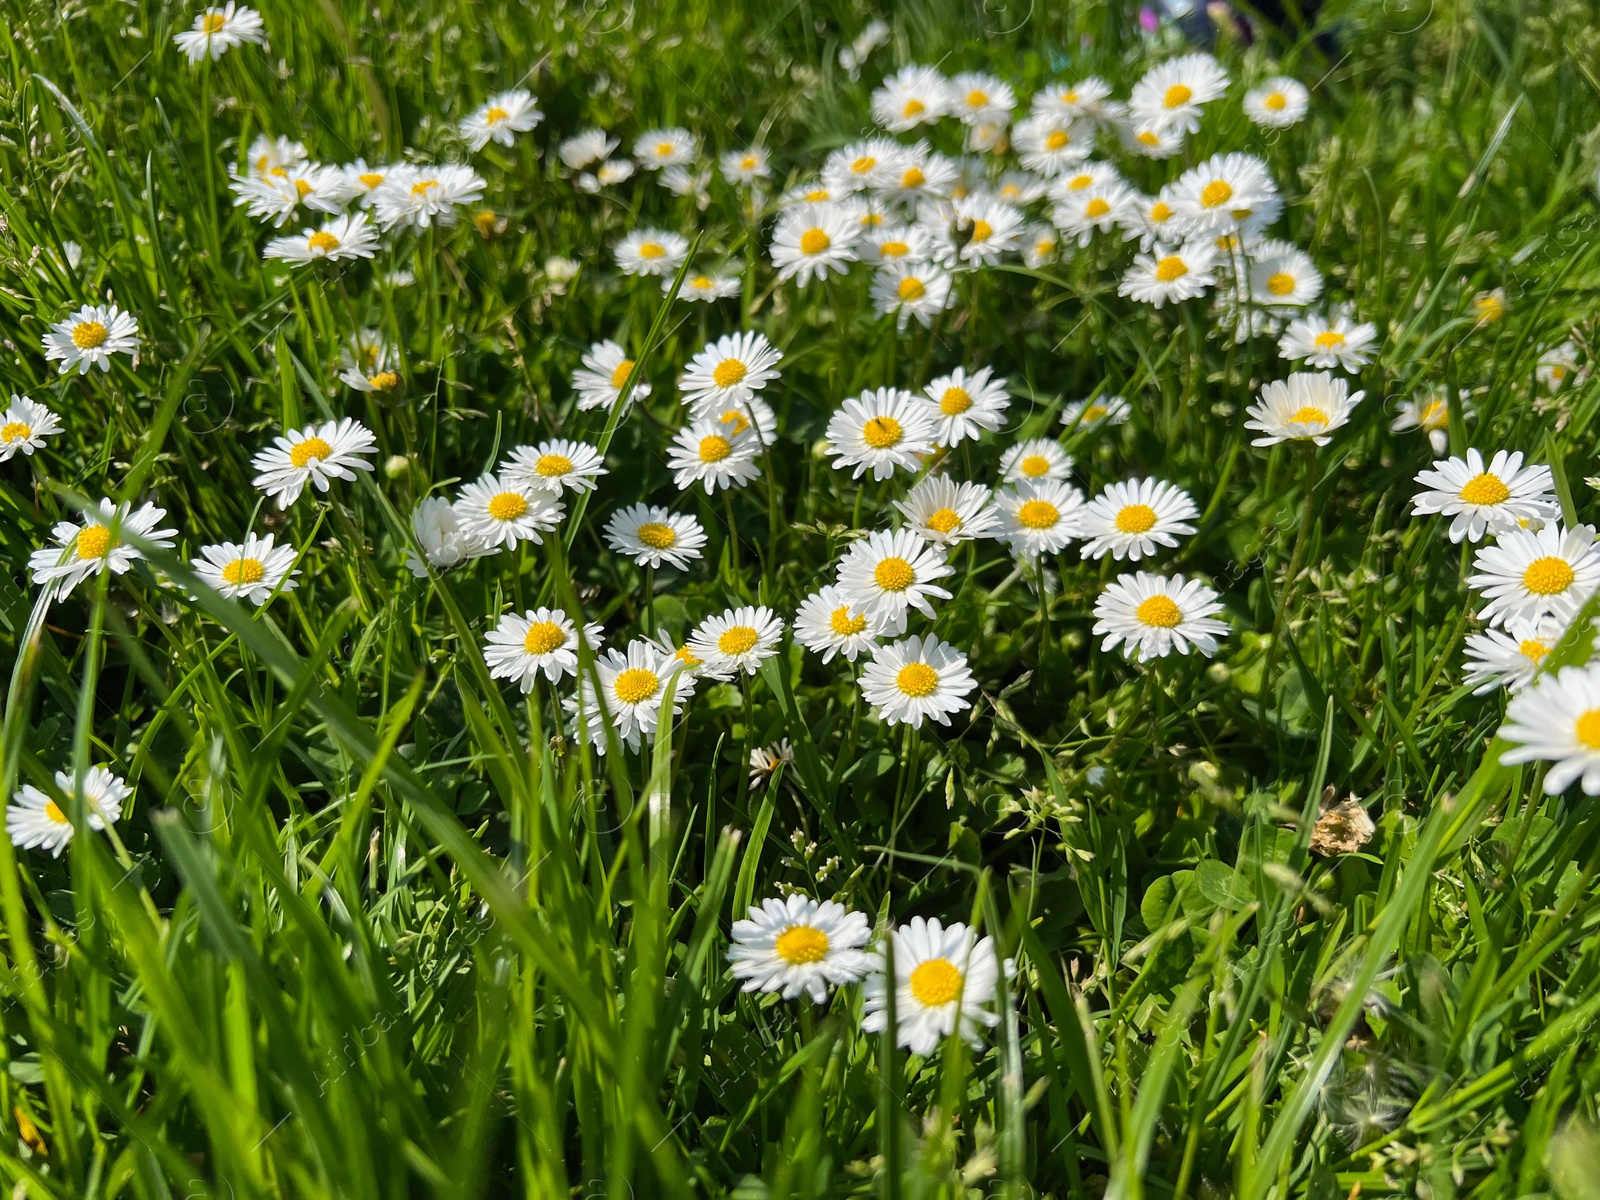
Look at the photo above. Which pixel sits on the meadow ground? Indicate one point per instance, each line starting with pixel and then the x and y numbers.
pixel 316 889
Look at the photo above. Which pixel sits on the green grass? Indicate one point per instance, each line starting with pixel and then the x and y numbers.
pixel 369 930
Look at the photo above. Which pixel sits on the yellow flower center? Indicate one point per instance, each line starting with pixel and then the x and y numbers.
pixel 729 372
pixel 86 335
pixel 911 288
pixel 507 506
pixel 894 574
pixel 1309 415
pixel 1218 191
pixel 818 195
pixel 1034 466
pixel 52 810
pixel 1490 308
pixel 863 164
pixel 687 657
pixel 845 623
pixel 917 680
pixel 735 419
pixel 1171 267
pixel 552 466
pixel 663 149
pixel 370 179
pixel 619 377
pixel 15 431
pixel 1145 138
pixel 657 536
pixel 1056 140
pixel 1158 611
pixel 814 241
pixel 1328 339
pixel 495 115
pixel 94 542
pixel 302 188
pixel 485 220
pixel 945 520
pixel 955 401
pixel 1533 650
pixel 1038 514
pixel 1485 489
pixel 242 572
pixel 1280 283
pixel 1136 518
pixel 1177 95
pixel 635 684
pixel 322 240
pixel 383 381
pixel 1275 101
pixel 913 178
pixel 307 449
pixel 213 22
pixel 894 250
pixel 749 163
pixel 701 283
pixel 739 639
pixel 1160 212
pixel 936 982
pixel 1096 208
pixel 977 98
pixel 543 637
pixel 982 231
pixel 714 448
pixel 652 250
pixel 1078 182
pixel 801 944
pixel 1094 412
pixel 1587 729
pixel 1011 191
pixel 881 432
pixel 1548 576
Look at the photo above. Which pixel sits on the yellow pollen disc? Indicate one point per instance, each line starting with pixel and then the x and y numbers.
pixel 814 241
pixel 94 542
pixel 1178 94
pixel 242 572
pixel 881 432
pixel 801 944
pixel 1145 138
pixel 1275 101
pixel 894 250
pixel 917 680
pixel 1240 214
pixel 553 465
pixel 977 98
pixel 1328 339
pixel 86 335
pixel 1096 208
pixel 308 449
pixel 652 250
pixel 213 22
pixel 739 639
pixel 871 220
pixel 1435 415
pixel 1011 191
pixel 1160 212
pixel 15 431
pixel 322 240
pixel 843 622
pixel 1057 139
pixel 656 535
pixel 945 520
pixel 1309 415
pixel 748 163
pixel 276 172
pixel 935 983
pixel 543 637
pixel 913 108
pixel 423 186
pixel 1094 412
pixel 818 195
pixel 635 684
pixel 495 115
pixel 687 657
pixel 894 575
pixel 53 811
pixel 484 219
pixel 1533 650
pixel 1158 611
pixel 863 164
pixel 507 506
pixel 911 288
pixel 1280 283
pixel 1038 514
pixel 619 377
pixel 383 381
pixel 955 401
pixel 1171 267
pixel 1587 729
pixel 700 283
pixel 663 149
pixel 1078 182
pixel 1485 489
pixel 913 178
pixel 1548 576
pixel 302 188
pixel 982 231
pixel 729 372
pixel 1218 191
pixel 714 448
pixel 1034 466
pixel 737 420
pixel 370 179
pixel 1490 308
pixel 1136 518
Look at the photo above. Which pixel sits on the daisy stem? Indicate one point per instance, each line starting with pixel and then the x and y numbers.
pixel 1295 557
pixel 733 541
pixel 649 602
pixel 210 167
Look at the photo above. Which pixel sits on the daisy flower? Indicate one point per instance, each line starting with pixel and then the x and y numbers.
pixel 1084 100
pixel 871 163
pixel 1096 209
pixel 728 372
pixel 218 30
pixel 1278 103
pixel 90 336
pixel 992 230
pixel 917 679
pixel 1431 414
pixel 807 194
pixel 252 570
pixel 1526 574
pixel 827 623
pixel 36 822
pixel 499 513
pixel 880 430
pixel 608 174
pixel 96 545
pixel 651 252
pixel 1129 520
pixel 704 287
pixel 923 175
pixel 745 166
pixel 605 373
pixel 943 979
pixel 1302 407
pixel 812 242
pixel 634 684
pixel 1150 616
pixel 541 640
pixel 271 155
pixel 710 454
pixel 886 573
pixel 586 148
pixel 341 238
pixel 501 118
pixel 1496 499
pixel 25 426
pixel 905 289
pixel 558 465
pixel 1035 459
pixel 912 96
pixel 1020 187
pixel 1171 275
pixel 1151 221
pixel 1149 139
pixel 1281 273
pixel 978 99
pixel 1511 658
pixel 735 641
pixel 1040 245
pixel 1225 192
pixel 380 377
pixel 1488 307
pixel 445 540
pixel 361 180
pixel 962 405
pixel 1558 721
pixel 947 513
pixel 1039 516
pixel 1172 93
pixel 651 535
pixel 796 945
pixel 884 244
pixel 1557 365
pixel 754 414
pixel 1088 414
pixel 314 455
pixel 419 197
pixel 1052 145
pixel 1322 342
pixel 687 181
pixel 658 148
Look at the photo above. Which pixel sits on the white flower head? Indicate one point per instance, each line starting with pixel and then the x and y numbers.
pixel 1053 144
pixel 709 453
pixel 886 573
pixel 218 30
pixel 558 465
pixel 1430 413
pixel 1099 208
pixel 1151 616
pixel 1170 274
pixel 1086 99
pixel 991 229
pixel 1329 342
pixel 344 237
pixel 1557 720
pixel 540 641
pixel 915 680
pixel 796 945
pixel 1278 103
pixel 500 118
pixel 880 430
pixel 586 148
pixel 704 286
pixel 745 166
pixel 1130 519
pixel 652 535
pixel 1039 516
pixel 1510 658
pixel 728 372
pixel 963 404
pixel 658 148
pixel 634 687
pixel 944 983
pixel 912 96
pixel 1151 221
pixel 911 289
pixel 1171 94
pixel 98 543
pixel 90 336
pixel 24 427
pixel 445 540
pixel 1226 192
pixel 871 163
pixel 250 570
pixel 1281 274
pixel 314 455
pixel 1481 498
pixel 651 252
pixel 498 512
pixel 828 623
pixel 418 197
pixel 1303 407
pixel 1527 574
pixel 1035 459
pixel 1089 414
pixel 813 242
pixel 948 513
pixel 36 822
pixel 978 99
pixel 604 374
pixel 736 640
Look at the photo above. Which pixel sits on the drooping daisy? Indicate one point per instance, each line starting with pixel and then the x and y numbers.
pixel 586 148
pixel 886 573
pixel 445 540
pixel 1429 412
pixel 946 513
pixel 501 118
pixel 796 945
pixel 907 289
pixel 710 454
pixel 1303 407
pixel 813 242
pixel 917 679
pixel 1224 193
pixel 962 405
pixel 1052 145
pixel 24 427
pixel 1526 574
pixel 652 535
pixel 658 148
pixel 417 197
pixel 98 544
pixel 605 373
pixel 1039 517
pixel 1130 519
pixel 1150 616
pixel 1170 275
pixel 1323 342
pixel 1103 410
pixel 1283 274
pixel 90 336
pixel 378 374
pixel 702 286
pixel 341 238
pixel 688 181
pixel 944 980
pixel 1496 499
pixel 500 513
pixel 880 430
pixel 828 623
pixel 1172 93
pixel 314 455
pixel 1035 459
pixel 651 252
pixel 541 640
pixel 36 822
pixel 1510 658
pixel 1278 103
pixel 737 640
pixel 558 465
pixel 1557 721
pixel 728 372
pixel 218 30
pixel 252 570
pixel 1096 209
pixel 978 99
pixel 745 166
pixel 912 96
